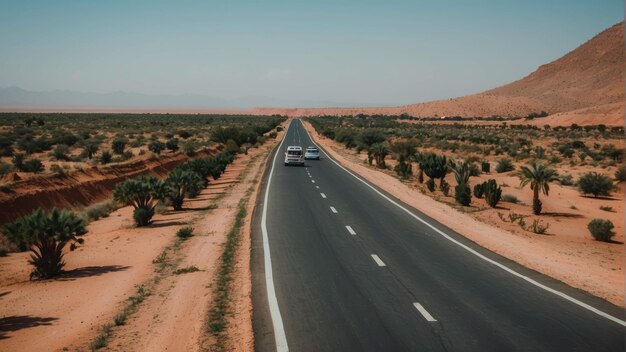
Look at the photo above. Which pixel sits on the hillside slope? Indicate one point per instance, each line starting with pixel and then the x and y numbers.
pixel 589 77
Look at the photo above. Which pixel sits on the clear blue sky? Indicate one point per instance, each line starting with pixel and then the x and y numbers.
pixel 384 52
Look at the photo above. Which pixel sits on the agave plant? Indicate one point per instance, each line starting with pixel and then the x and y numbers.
pixel 143 193
pixel 46 235
pixel 539 177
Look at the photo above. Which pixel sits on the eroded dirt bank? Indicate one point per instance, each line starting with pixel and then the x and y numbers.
pixel 81 187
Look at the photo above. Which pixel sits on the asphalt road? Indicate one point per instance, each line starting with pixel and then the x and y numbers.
pixel 338 267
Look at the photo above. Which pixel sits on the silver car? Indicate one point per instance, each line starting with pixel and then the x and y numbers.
pixel 312 153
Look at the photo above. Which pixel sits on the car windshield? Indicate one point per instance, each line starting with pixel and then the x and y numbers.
pixel 294 152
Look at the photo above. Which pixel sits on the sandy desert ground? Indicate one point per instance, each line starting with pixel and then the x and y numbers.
pixel 120 261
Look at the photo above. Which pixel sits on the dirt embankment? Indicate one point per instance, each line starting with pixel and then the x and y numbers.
pixel 81 187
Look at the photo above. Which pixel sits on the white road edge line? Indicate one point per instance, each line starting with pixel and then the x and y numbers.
pixel 350 230
pixel 424 312
pixel 333 210
pixel 491 261
pixel 323 195
pixel 277 321
pixel 378 260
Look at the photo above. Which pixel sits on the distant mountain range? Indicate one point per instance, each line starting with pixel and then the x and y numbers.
pixel 18 97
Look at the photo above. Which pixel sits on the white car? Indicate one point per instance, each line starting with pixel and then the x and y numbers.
pixel 293 156
pixel 312 153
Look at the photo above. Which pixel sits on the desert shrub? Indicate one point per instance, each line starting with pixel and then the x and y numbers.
pixel 279 129
pixel 510 198
pixel 106 157
pixel 184 134
pixel 434 165
pixel 474 169
pixel 156 147
pixel 118 145
pixel 184 232
pixel 463 194
pixel 273 134
pixel 493 193
pixel 58 170
pixel 46 235
pixel 620 174
pixel 595 184
pixel 172 144
pixel 606 208
pixel 222 135
pixel 18 161
pixel 347 136
pixel 504 165
pixel 231 147
pixel 91 149
pixel 420 176
pixel 566 180
pixel 5 168
pixel 538 227
pixel 143 193
pixel 61 151
pixel 190 147
pixel 601 230
pixel 371 136
pixel 99 210
pixel 479 190
pixel 33 165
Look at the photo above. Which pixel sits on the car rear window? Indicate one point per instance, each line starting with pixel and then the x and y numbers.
pixel 294 152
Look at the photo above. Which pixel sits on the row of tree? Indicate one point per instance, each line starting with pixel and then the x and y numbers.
pixel 46 234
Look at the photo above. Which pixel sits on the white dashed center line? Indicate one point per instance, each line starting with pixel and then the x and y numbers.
pixel 323 195
pixel 377 260
pixel 424 312
pixel 351 230
pixel 333 210
pixel 312 181
pixel 318 187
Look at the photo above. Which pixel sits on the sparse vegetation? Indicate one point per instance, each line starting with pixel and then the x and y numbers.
pixel 186 270
pixel 143 193
pixel 538 176
pixel 601 230
pixel 595 184
pixel 184 232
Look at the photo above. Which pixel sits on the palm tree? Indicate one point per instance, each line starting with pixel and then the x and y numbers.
pixel 143 193
pixel 91 149
pixel 46 235
pixel 462 191
pixel 379 152
pixel 539 177
pixel 180 183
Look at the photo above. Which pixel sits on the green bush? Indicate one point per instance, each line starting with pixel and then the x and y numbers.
pixel 493 193
pixel 403 168
pixel 479 190
pixel 595 184
pixel 106 157
pixel 184 232
pixel 180 183
pixel 99 210
pixel 156 147
pixel 463 194
pixel 118 145
pixel 601 230
pixel 172 144
pixel 504 165
pixel 33 165
pixel 61 152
